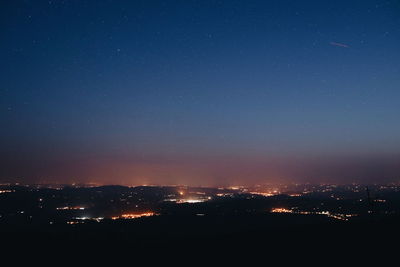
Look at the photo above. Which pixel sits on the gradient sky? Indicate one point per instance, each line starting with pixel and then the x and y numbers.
pixel 199 92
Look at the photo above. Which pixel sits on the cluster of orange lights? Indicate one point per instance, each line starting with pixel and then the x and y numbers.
pixel 281 210
pixel 133 215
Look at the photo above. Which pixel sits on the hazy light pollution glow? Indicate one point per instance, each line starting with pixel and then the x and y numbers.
pixel 199 92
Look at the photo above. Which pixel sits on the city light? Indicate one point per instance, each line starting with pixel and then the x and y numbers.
pixel 70 208
pixel 281 210
pixel 6 191
pixel 191 200
pixel 133 215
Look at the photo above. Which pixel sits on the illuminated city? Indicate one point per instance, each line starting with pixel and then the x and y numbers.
pixel 89 203
pixel 160 130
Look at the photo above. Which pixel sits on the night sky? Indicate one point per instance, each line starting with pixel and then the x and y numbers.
pixel 199 92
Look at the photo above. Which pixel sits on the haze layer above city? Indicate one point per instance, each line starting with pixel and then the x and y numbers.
pixel 200 93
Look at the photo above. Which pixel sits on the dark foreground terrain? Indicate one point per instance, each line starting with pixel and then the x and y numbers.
pixel 254 237
pixel 240 226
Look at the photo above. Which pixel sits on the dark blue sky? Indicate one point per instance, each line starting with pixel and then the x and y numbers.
pixel 200 92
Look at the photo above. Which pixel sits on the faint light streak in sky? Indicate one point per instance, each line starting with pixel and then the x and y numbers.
pixel 339 44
